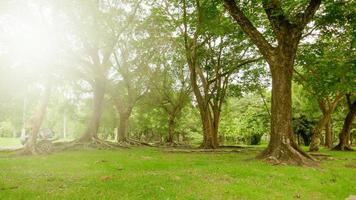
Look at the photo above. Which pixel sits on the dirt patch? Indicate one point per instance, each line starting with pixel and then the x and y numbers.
pixel 350 165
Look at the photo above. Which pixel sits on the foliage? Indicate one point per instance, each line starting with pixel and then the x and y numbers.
pixel 245 119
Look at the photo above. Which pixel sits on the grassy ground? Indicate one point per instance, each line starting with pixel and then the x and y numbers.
pixel 146 173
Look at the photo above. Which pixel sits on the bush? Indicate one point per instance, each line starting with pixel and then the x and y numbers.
pixel 6 129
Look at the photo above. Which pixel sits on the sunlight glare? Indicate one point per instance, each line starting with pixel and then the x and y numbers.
pixel 30 37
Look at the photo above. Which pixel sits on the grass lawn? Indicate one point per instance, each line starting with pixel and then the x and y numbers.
pixel 148 173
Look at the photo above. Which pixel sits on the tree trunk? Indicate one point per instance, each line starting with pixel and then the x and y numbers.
pixel 94 121
pixel 36 122
pixel 282 148
pixel 122 131
pixel 344 136
pixel 210 139
pixel 328 134
pixel 315 140
pixel 170 129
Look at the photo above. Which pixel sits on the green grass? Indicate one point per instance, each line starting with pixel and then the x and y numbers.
pixel 9 142
pixel 146 173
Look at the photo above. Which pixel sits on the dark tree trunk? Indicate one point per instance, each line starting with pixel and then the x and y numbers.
pixel 328 134
pixel 93 124
pixel 344 136
pixel 122 131
pixel 36 122
pixel 282 146
pixel 171 123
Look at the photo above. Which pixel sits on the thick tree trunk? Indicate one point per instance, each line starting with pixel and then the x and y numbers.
pixel 122 131
pixel 315 140
pixel 328 134
pixel 171 123
pixel 93 124
pixel 36 122
pixel 210 136
pixel 344 136
pixel 282 148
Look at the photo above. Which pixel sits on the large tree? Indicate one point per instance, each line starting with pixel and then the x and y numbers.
pixel 36 121
pixel 130 88
pixel 99 25
pixel 280 55
pixel 209 52
pixel 171 91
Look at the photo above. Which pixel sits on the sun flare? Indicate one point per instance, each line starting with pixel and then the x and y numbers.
pixel 29 36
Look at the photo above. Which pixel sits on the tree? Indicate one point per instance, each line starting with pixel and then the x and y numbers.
pixel 287 30
pixel 326 65
pixel 327 107
pixel 96 40
pixel 101 26
pixel 344 136
pixel 37 120
pixel 208 53
pixel 130 89
pixel 171 90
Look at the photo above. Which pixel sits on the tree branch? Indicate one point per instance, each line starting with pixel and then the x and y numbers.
pixel 258 39
pixel 275 14
pixel 304 18
pixel 235 68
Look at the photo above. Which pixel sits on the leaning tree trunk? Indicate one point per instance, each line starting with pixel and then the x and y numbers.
pixel 282 146
pixel 36 122
pixel 315 140
pixel 328 134
pixel 344 136
pixel 122 131
pixel 91 131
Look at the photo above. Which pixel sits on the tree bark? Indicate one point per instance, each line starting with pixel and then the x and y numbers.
pixel 122 131
pixel 93 124
pixel 282 146
pixel 210 136
pixel 171 123
pixel 315 140
pixel 36 122
pixel 327 107
pixel 344 136
pixel 328 134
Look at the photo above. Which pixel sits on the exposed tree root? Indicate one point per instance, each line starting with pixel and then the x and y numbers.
pixel 25 152
pixel 341 147
pixel 131 142
pixel 97 143
pixel 321 156
pixel 203 150
pixel 287 154
pixel 92 143
pixel 28 151
pixel 233 147
pixel 173 144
